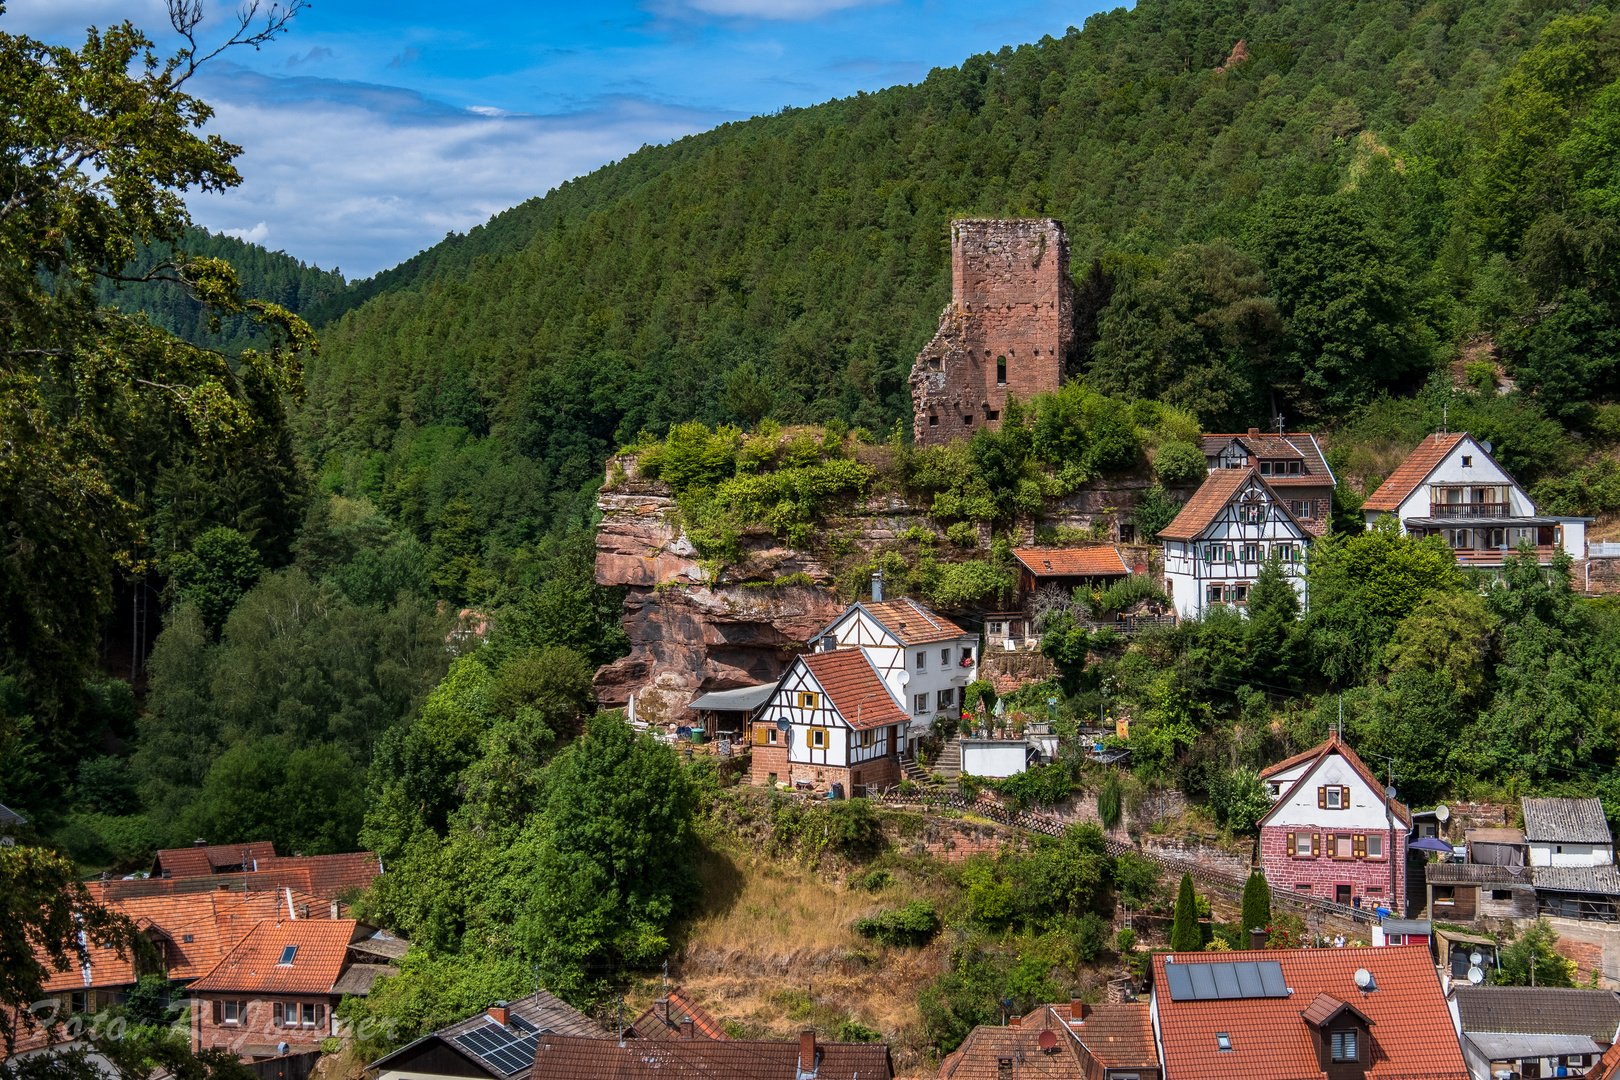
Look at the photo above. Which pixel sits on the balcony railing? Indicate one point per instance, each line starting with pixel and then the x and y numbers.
pixel 1493 556
pixel 1470 510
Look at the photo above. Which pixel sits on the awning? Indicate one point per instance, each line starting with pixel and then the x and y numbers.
pixel 1511 1046
pixel 742 699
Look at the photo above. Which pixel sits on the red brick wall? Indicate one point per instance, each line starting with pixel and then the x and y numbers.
pixel 1323 873
pixel 766 760
pixel 258 1027
pixel 1011 298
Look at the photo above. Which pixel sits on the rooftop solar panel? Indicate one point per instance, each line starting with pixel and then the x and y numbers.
pixel 500 1048
pixel 1225 981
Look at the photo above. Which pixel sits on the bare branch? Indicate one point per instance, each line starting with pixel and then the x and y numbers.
pixel 186 15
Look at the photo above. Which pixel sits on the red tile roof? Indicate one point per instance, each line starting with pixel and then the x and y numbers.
pixel 1118 1036
pixel 327 876
pixel 254 966
pixel 1212 496
pixel 1269 445
pixel 662 1020
pixel 980 1055
pixel 1098 560
pixel 1335 746
pixel 1413 471
pixel 202 861
pixel 912 623
pixel 565 1057
pixel 1289 762
pixel 1412 1034
pixel 857 691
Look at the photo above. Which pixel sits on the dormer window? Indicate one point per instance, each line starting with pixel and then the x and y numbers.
pixel 1344 1046
pixel 1223 1041
pixel 1265 468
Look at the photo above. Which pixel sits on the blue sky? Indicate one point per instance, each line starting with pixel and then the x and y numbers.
pixel 375 127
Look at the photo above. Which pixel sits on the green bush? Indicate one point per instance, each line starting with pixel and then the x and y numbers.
pixel 911 926
pixel 1126 592
pixel 1125 941
pixel 692 457
pixel 1180 464
pixel 1110 800
pixel 964 583
pixel 1185 936
pixel 876 880
pixel 1154 511
pixel 1137 879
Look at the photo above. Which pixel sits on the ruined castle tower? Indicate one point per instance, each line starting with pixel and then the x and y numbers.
pixel 1007 330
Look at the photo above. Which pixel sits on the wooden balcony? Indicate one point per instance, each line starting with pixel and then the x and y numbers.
pixel 1470 510
pixel 1493 556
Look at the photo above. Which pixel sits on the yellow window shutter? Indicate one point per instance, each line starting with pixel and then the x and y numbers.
pixel 1361 846
pixel 1344 798
pixel 1331 850
pixel 1316 844
pixel 1293 848
pixel 1321 798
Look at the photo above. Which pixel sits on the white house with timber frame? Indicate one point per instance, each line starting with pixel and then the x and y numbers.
pixel 832 720
pixel 925 659
pixel 1217 545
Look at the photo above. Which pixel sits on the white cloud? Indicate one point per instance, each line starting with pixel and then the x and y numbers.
pixel 254 235
pixel 363 176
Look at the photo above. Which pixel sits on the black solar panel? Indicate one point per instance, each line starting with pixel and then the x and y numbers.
pixel 1225 981
pixel 504 1051
pixel 517 1022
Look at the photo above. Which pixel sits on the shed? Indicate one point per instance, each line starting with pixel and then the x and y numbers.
pixel 1403 932
pixel 1455 951
pixel 994 757
pixel 727 712
pixel 1591 893
pixel 1496 847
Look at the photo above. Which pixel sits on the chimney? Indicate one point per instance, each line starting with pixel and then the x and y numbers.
pixel 686 1027
pixel 1254 431
pixel 1015 1021
pixel 199 842
pixel 499 1013
pixel 807 1051
pixel 877 586
pixel 334 909
pixel 661 1010
pixel 1257 938
pixel 1078 1010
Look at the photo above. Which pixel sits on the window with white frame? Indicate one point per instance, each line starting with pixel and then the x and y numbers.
pixel 920 703
pixel 922 661
pixel 1212 594
pixel 1251 513
pixel 1375 847
pixel 947 698
pixel 944 658
pixel 1251 553
pixel 1287 552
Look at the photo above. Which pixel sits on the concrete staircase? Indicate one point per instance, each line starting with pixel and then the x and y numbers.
pixel 914 772
pixel 949 765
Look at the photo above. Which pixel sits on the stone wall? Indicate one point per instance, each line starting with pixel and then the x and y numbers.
pixel 1007 330
pixel 1189 850
pixel 1323 874
pixel 1599 575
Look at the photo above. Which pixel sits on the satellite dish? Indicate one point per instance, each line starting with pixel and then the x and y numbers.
pixel 1048 1041
pixel 1442 813
pixel 1390 791
pixel 282 1048
pixel 1364 979
pixel 1476 975
pixel 1487 446
pixel 904 678
pixel 783 724
pixel 1476 958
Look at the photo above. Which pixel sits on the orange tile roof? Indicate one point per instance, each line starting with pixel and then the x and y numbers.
pixel 1412 1034
pixel 1117 1036
pixel 1335 746
pixel 979 1057
pixel 254 965
pixel 202 861
pixel 1289 762
pixel 1292 444
pixel 662 1020
pixel 1608 1066
pixel 857 691
pixel 912 623
pixel 1218 489
pixel 327 876
pixel 1098 560
pixel 1413 471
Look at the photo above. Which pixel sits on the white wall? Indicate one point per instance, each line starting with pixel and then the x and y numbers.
pixel 1187 574
pixel 995 758
pixel 1366 810
pixel 1285 779
pixel 897 664
pixel 1548 854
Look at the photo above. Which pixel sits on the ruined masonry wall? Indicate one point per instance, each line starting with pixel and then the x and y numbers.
pixel 1011 298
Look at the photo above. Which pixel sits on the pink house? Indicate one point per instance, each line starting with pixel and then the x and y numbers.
pixel 1329 832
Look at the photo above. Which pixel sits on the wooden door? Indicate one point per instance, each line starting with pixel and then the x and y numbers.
pixel 1342 894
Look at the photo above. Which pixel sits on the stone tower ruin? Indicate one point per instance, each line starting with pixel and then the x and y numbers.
pixel 1007 330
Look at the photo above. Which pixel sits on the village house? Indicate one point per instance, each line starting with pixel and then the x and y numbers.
pixel 1449 486
pixel 248 868
pixel 1567 832
pixel 1331 832
pixel 496 1044
pixel 1533 1031
pixel 1218 543
pixel 1295 1013
pixel 925 659
pixel 275 991
pixel 570 1057
pixel 832 725
pixel 675 1016
pixel 1074 1041
pixel 1293 464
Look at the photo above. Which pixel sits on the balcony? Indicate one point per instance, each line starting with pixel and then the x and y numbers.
pixel 1493 556
pixel 1470 510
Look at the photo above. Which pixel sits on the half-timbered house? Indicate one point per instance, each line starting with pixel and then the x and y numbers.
pixel 925 659
pixel 1292 463
pixel 832 720
pixel 1216 546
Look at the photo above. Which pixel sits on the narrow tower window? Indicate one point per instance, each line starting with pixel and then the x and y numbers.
pixel 1001 371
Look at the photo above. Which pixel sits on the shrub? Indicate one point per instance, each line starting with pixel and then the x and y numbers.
pixel 1184 933
pixel 692 457
pixel 1180 464
pixel 1125 941
pixel 876 880
pixel 1154 511
pixel 1126 592
pixel 1137 878
pixel 911 926
pixel 960 584
pixel 1109 801
pixel 1256 903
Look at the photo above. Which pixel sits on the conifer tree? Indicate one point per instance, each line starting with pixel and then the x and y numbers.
pixel 1184 933
pixel 1256 903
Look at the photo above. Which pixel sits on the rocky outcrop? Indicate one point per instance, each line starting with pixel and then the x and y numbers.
pixel 693 629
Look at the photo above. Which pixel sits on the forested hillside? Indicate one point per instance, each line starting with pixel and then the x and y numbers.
pixel 1368 219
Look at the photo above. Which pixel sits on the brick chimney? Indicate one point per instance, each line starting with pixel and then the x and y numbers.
pixel 1015 1021
pixel 1078 1010
pixel 1254 431
pixel 807 1051
pixel 1257 939
pixel 686 1027
pixel 499 1013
